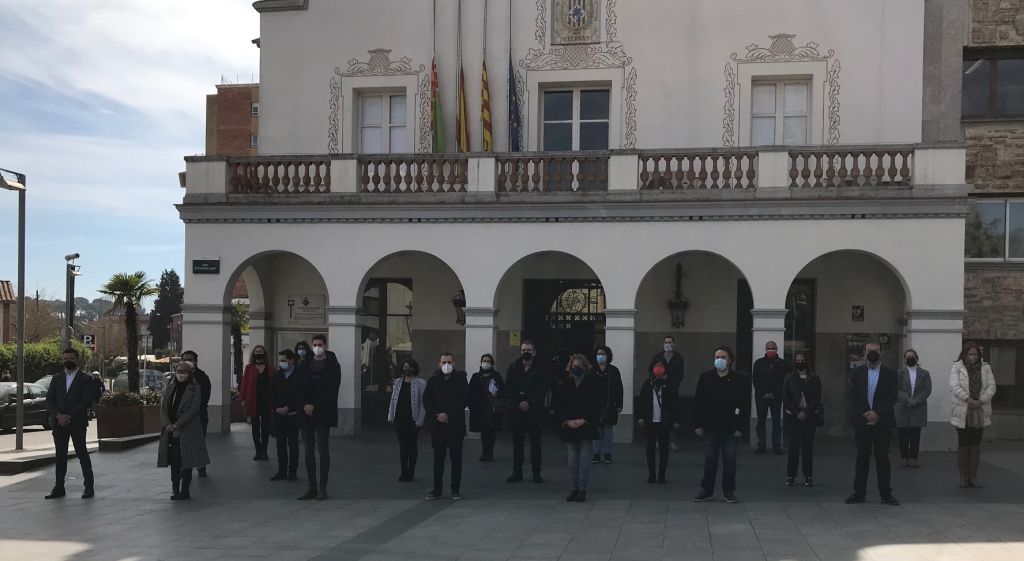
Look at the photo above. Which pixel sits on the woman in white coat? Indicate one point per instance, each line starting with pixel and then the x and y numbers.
pixel 973 386
pixel 406 414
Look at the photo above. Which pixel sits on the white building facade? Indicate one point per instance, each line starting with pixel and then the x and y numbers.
pixel 795 161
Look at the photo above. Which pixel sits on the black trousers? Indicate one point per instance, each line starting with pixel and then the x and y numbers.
pixel 487 439
pixel 658 436
pixel 178 475
pixel 408 447
pixel 910 442
pixel 447 443
pixel 800 439
pixel 872 440
pixel 76 433
pixel 260 431
pixel 315 439
pixel 968 437
pixel 287 437
pixel 521 428
pixel 765 406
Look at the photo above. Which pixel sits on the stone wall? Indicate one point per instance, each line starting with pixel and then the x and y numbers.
pixel 995 156
pixel 994 304
pixel 997 23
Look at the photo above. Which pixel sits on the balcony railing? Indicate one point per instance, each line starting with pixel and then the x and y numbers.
pixel 767 170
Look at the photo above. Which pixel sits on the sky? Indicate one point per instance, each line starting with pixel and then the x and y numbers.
pixel 100 101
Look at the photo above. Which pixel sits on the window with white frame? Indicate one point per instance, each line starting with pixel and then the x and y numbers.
pixel 255 110
pixel 254 140
pixel 995 230
pixel 382 123
pixel 779 112
pixel 575 119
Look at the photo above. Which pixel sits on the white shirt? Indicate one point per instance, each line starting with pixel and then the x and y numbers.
pixel 69 378
pixel 913 379
pixel 655 406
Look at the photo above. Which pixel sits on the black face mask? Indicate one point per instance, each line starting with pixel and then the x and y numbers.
pixel 527 356
pixel 873 357
pixel 578 372
pixel 259 358
pixel 801 366
pixel 911 361
pixel 408 371
pixel 70 365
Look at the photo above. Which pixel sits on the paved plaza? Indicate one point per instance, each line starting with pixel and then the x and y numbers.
pixel 238 514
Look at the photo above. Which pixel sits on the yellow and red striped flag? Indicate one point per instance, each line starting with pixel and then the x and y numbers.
pixel 485 111
pixel 461 124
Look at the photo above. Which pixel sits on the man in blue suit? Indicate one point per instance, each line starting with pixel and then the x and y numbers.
pixel 67 401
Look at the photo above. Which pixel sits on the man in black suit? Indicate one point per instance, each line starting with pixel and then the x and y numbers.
pixel 205 388
pixel 67 401
pixel 873 390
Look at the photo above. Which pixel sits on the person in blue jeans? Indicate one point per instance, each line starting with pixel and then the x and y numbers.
pixel 721 413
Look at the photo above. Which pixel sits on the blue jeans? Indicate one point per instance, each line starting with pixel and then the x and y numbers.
pixel 719 443
pixel 603 445
pixel 579 464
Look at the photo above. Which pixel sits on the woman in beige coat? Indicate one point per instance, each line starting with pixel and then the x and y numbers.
pixel 972 385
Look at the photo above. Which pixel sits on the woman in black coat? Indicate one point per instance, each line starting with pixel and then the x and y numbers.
pixel 579 411
pixel 657 412
pixel 801 399
pixel 484 413
pixel 609 383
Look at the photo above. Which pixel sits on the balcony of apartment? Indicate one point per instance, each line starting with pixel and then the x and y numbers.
pixel 834 172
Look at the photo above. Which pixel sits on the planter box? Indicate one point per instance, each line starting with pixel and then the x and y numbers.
pixel 132 420
pixel 237 412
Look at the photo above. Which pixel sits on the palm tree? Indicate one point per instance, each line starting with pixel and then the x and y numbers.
pixel 128 291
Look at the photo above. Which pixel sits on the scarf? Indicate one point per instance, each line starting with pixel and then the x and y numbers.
pixel 974 379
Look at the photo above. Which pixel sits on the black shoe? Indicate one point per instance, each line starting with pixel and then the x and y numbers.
pixel 56 493
pixel 433 495
pixel 607 458
pixel 321 494
pixel 514 478
pixel 88 494
pixel 202 472
pixel 651 479
pixel 278 477
pixel 890 500
pixel 404 478
pixel 759 450
pixel 596 459
pixel 572 497
pixel 808 482
pixel 310 494
pixel 581 497
pixel 702 497
pixel 456 496
pixel 292 477
pixel 855 499
pixel 175 491
pixel 537 478
pixel 731 498
pixel 264 457
pixel 790 481
pixel 661 480
pixel 779 451
pixel 257 457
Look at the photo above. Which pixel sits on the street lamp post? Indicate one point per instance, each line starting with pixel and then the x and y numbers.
pixel 18 184
pixel 72 271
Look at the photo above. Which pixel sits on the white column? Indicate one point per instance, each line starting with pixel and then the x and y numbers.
pixel 769 325
pixel 481 330
pixel 620 336
pixel 937 336
pixel 343 340
pixel 206 329
pixel 258 332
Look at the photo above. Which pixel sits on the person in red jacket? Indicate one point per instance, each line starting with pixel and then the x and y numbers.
pixel 255 395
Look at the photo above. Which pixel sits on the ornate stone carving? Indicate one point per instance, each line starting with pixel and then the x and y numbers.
pixel 575 22
pixel 423 98
pixel 380 64
pixel 629 141
pixel 783 49
pixel 541 33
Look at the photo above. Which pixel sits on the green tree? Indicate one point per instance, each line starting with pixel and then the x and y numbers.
pixel 239 325
pixel 168 303
pixel 128 290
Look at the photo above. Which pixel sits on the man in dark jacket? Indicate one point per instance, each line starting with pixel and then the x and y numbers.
pixel 444 401
pixel 674 374
pixel 319 382
pixel 205 388
pixel 285 406
pixel 67 403
pixel 721 417
pixel 526 385
pixel 770 372
pixel 873 392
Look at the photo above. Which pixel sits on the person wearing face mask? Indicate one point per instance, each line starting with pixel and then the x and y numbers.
pixel 657 413
pixel 721 417
pixel 205 388
pixel 67 402
pixel 302 352
pixel 610 394
pixel 182 445
pixel 319 384
pixel 255 396
pixel 579 412
pixel 873 390
pixel 485 388
pixel 973 386
pixel 444 400
pixel 915 385
pixel 284 402
pixel 674 377
pixel 406 414
pixel 769 373
pixel 801 399
pixel 526 386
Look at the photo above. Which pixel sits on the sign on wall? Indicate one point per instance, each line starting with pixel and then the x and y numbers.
pixel 206 266
pixel 575 22
pixel 306 310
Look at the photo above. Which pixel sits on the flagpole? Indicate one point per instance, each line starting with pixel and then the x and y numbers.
pixel 508 92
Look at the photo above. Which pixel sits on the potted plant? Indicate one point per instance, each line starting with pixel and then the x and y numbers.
pixel 237 411
pixel 128 414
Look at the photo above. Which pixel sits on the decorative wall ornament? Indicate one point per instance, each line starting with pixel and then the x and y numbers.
pixel 379 64
pixel 575 22
pixel 782 49
pixel 609 54
pixel 426 144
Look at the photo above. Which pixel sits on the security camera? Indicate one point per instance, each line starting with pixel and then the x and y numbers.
pixel 71 257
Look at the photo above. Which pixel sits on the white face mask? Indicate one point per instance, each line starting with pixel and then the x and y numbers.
pixel 190 363
pixel 721 364
pixel 301 352
pixel 669 347
pixel 283 364
pixel 181 377
pixel 318 350
pixel 485 366
pixel 447 368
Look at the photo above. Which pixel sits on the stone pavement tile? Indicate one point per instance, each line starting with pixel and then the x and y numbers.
pixel 592 544
pixel 559 539
pixel 537 551
pixel 572 556
pixel 647 535
pixel 840 554
pixel 635 553
pixel 477 555
pixel 738 554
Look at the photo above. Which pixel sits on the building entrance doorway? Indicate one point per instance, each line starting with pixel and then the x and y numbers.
pixel 563 317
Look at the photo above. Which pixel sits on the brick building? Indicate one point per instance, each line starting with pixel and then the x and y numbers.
pixel 232 120
pixel 993 125
pixel 7 314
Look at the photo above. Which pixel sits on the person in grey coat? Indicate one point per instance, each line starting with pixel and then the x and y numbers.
pixel 915 385
pixel 182 445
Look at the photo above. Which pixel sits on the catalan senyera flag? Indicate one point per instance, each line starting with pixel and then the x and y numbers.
pixel 461 124
pixel 436 114
pixel 485 111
